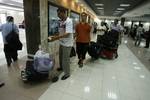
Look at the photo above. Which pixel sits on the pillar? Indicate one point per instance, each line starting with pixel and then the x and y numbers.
pixel 122 21
pixel 32 23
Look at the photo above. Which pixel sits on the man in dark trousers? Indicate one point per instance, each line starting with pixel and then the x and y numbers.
pixel 83 38
pixel 147 36
pixel 10 53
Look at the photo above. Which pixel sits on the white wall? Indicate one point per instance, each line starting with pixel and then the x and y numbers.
pixel 128 23
pixel 18 16
pixel 146 26
pixel 2 18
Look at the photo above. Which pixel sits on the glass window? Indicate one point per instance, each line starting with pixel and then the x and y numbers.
pixel 75 18
pixel 53 21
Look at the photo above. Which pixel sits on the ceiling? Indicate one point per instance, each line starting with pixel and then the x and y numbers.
pixel 112 7
pixel 16 5
pixel 12 3
pixel 140 11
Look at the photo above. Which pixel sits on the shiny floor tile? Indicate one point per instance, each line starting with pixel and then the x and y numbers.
pixel 124 78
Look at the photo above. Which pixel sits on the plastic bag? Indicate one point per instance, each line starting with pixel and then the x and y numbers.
pixel 43 62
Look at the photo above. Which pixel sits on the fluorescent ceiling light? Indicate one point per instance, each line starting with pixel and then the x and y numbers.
pixel 99 4
pixel 11 4
pixel 100 8
pixel 76 1
pixel 81 5
pixel 10 8
pixel 124 5
pixel 120 9
pixel 19 1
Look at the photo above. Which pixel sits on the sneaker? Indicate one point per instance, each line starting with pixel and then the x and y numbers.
pixel 9 64
pixel 79 62
pixel 2 84
pixel 59 69
pixel 65 77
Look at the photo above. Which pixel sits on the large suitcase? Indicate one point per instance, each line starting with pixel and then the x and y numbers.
pixel 109 53
pixel 94 50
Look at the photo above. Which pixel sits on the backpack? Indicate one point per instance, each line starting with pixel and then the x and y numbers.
pixel 13 40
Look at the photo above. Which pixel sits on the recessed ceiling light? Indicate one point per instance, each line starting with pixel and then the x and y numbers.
pixel 120 9
pixel 100 8
pixel 81 5
pixel 124 5
pixel 11 4
pixel 99 4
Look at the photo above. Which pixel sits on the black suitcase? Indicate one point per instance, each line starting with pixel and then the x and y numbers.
pixel 109 40
pixel 94 50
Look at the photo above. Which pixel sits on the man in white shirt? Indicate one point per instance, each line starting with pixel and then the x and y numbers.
pixel 66 41
pixel 101 29
pixel 115 26
pixel 138 35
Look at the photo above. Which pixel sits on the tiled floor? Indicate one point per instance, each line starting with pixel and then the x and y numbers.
pixel 124 78
pixel 143 54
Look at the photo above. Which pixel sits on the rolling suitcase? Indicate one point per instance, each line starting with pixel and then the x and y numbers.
pixel 109 54
pixel 94 50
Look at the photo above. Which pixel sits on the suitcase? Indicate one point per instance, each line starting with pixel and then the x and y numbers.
pixel 94 50
pixel 109 54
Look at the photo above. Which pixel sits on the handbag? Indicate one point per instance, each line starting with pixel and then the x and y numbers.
pixel 73 52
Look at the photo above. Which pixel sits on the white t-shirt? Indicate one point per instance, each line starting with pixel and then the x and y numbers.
pixel 118 28
pixel 139 31
pixel 101 28
pixel 66 27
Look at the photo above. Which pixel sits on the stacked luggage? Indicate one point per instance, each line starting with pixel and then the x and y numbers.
pixel 106 46
pixel 38 68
